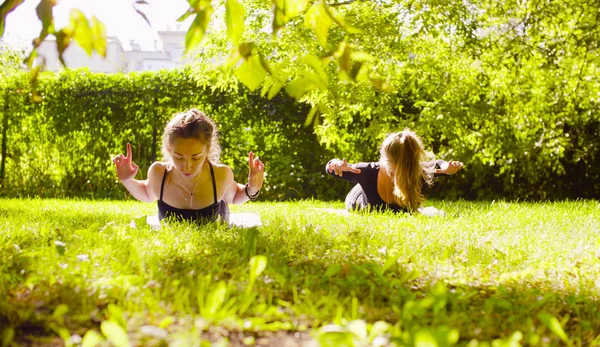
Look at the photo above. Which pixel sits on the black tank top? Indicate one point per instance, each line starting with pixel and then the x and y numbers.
pixel 204 215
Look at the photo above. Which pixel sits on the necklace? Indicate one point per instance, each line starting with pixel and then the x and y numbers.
pixel 191 193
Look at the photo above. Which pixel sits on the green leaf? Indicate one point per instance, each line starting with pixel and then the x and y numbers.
pixel 44 13
pixel 258 264
pixel 335 336
pixel 250 240
pixel 355 70
pixel 390 261
pixel 358 327
pixel 379 328
pixel 380 84
pixel 343 53
pixel 82 33
pixel 234 17
pixel 91 339
pixel 362 56
pixel 199 5
pixel 215 299
pixel 7 7
pixel 317 19
pixel 554 325
pixel 334 268
pixel 511 341
pixel 446 336
pixel 185 15
pixel 62 43
pixel 116 314
pixel 295 7
pixel 198 28
pixel 99 33
pixel 8 334
pixel 339 20
pixel 165 322
pixel 115 333
pixel 317 65
pixel 251 73
pixel 424 338
pixel 301 86
pixel 31 58
pixel 274 90
pixel 60 246
pixel 139 12
pixel 60 311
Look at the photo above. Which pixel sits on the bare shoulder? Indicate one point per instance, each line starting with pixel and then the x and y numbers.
pixel 156 171
pixel 223 172
pixel 224 175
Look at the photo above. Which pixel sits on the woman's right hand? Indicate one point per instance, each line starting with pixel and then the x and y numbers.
pixel 338 167
pixel 126 168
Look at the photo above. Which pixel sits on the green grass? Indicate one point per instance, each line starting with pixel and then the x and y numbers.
pixel 487 272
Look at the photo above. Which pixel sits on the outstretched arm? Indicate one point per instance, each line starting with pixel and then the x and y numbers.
pixel 126 171
pixel 343 170
pixel 448 167
pixel 240 193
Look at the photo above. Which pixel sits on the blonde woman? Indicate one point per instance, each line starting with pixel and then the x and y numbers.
pixel 190 184
pixel 395 182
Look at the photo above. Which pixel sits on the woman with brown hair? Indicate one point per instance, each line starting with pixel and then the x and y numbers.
pixel 398 187
pixel 190 184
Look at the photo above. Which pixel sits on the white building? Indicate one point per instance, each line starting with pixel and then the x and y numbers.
pixel 167 53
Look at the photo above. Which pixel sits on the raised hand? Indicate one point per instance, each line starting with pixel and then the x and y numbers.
pixel 256 173
pixel 339 166
pixel 450 168
pixel 126 168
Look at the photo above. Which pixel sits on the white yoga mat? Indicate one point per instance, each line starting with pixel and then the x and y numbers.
pixel 243 220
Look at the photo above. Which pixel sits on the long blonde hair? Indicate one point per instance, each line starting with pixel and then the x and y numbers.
pixel 405 159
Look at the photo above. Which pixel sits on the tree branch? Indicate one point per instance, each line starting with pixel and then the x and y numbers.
pixel 341 3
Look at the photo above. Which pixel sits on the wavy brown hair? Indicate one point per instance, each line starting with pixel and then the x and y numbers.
pixel 192 124
pixel 405 159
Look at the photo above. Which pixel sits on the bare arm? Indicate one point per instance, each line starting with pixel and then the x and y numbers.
pixel 238 193
pixel 449 167
pixel 142 190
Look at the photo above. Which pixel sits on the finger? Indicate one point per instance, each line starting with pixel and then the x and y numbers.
pixel 251 161
pixel 128 150
pixel 353 170
pixel 259 165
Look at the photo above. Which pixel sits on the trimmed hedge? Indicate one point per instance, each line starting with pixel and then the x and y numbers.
pixel 63 146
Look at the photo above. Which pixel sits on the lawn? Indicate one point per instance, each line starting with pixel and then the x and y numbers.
pixel 487 273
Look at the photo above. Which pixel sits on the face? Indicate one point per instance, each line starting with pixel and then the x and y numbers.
pixel 188 155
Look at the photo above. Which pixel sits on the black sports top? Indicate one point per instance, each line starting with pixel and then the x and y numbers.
pixel 367 179
pixel 207 214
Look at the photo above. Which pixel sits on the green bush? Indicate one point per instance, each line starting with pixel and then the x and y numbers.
pixel 63 145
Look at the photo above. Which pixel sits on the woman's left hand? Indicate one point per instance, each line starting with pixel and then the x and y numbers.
pixel 256 174
pixel 450 168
